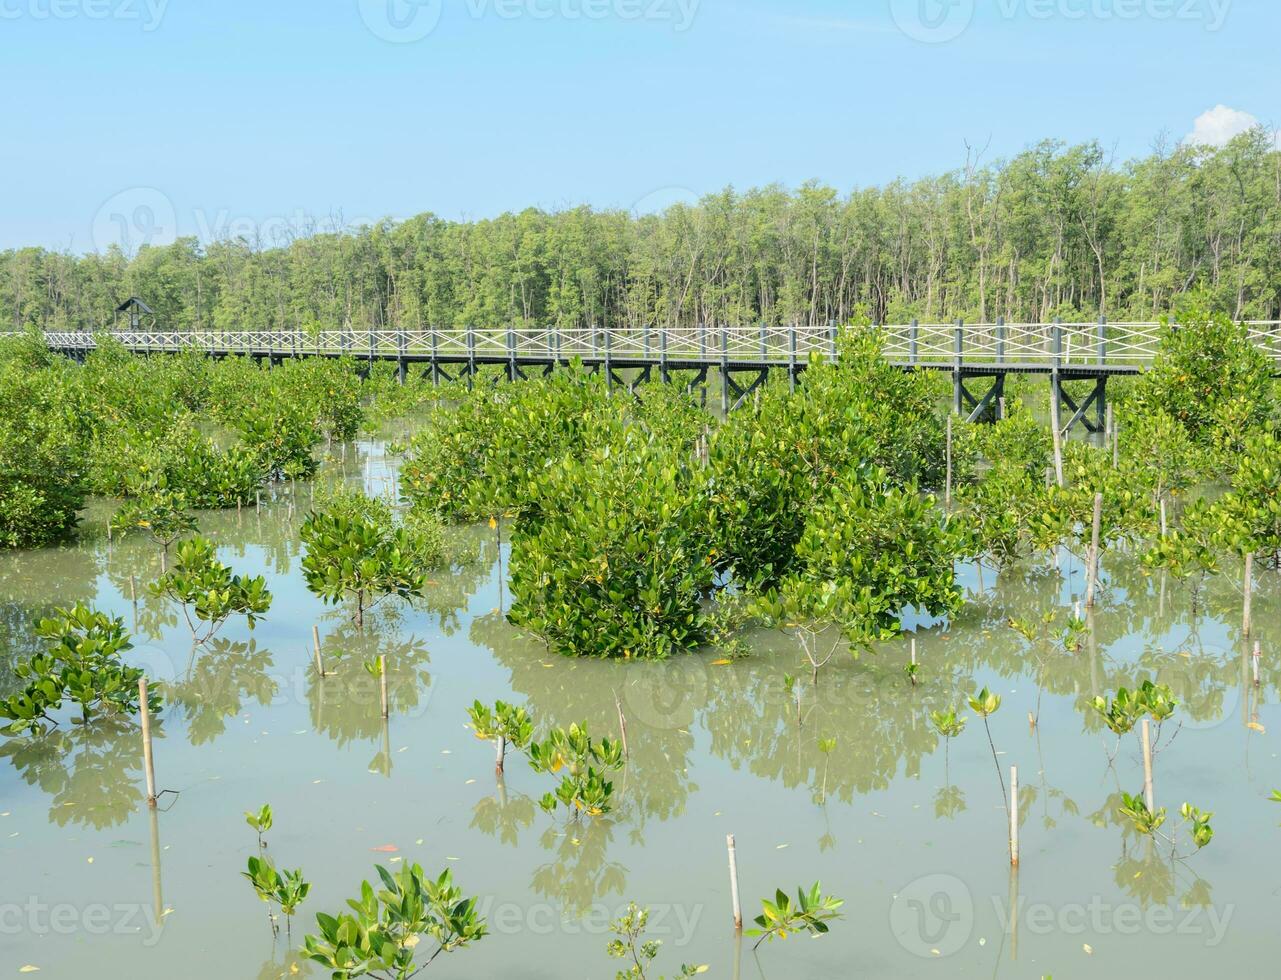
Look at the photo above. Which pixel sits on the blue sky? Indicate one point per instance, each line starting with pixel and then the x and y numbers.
pixel 203 117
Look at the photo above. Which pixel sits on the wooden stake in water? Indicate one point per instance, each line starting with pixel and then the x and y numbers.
pixel 500 756
pixel 133 589
pixel 1000 409
pixel 1248 594
pixel 1094 551
pixel 382 681
pixel 1014 816
pixel 733 884
pixel 144 711
pixel 947 493
pixel 315 647
pixel 1145 736
pixel 1163 520
pixel 622 724
pixel 1055 422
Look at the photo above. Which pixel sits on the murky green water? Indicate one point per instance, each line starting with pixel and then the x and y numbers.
pixel 911 834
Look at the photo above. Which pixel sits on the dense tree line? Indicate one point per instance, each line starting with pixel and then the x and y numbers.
pixel 1056 231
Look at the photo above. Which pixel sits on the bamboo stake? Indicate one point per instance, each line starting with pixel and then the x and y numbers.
pixel 733 884
pixel 382 681
pixel 148 760
pixel 1000 409
pixel 947 498
pixel 1055 421
pixel 500 754
pixel 1145 735
pixel 1094 551
pixel 1014 816
pixel 315 646
pixel 1258 654
pixel 1163 520
pixel 622 724
pixel 1249 594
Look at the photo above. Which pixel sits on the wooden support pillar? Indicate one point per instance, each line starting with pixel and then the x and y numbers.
pixel 724 369
pixel 958 358
pixel 913 341
pixel 791 364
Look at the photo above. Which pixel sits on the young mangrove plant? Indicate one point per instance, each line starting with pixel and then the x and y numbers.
pixel 208 592
pixel 381 936
pixel 82 665
pixel 781 918
pixel 985 704
pixel 585 763
pixel 286 889
pixel 1149 822
pixel 358 550
pixel 503 724
pixel 164 514
pixel 631 945
pixel 582 763
pixel 261 822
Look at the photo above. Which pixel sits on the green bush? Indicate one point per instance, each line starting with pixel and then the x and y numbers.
pixel 42 463
pixel 618 560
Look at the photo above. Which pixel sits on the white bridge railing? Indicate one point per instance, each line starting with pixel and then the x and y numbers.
pixel 1028 345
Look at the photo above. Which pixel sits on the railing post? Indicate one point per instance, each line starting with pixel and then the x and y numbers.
pixel 913 341
pixel 764 343
pixel 402 367
pixel 958 358
pixel 609 367
pixel 724 369
pixel 435 357
pixel 645 341
pixel 831 337
pixel 471 357
pixel 556 344
pixel 662 356
pixel 1000 340
pixel 1101 343
pixel 791 365
pixel 511 354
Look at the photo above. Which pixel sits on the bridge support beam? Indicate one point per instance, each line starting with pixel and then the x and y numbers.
pixel 976 408
pixel 1093 404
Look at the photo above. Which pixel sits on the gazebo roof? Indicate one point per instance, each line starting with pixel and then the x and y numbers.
pixel 134 303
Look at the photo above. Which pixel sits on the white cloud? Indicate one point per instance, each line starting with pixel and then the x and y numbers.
pixel 1217 126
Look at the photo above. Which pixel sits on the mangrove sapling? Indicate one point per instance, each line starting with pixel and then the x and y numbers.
pixel 631 944
pixel 82 665
pixel 1149 822
pixel 260 822
pixel 827 746
pixel 583 787
pixel 501 725
pixel 381 936
pixel 358 550
pixel 164 514
pixel 985 704
pixel 811 913
pixel 207 589
pixel 287 889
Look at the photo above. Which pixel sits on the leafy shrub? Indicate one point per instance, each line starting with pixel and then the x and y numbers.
pixel 206 589
pixel 358 549
pixel 42 468
pixel 82 665
pixel 1211 378
pixel 618 561
pixel 869 551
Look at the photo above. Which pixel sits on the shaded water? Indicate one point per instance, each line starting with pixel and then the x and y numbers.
pixel 912 834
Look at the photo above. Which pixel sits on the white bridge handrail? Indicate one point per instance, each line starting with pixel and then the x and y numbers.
pixel 1118 344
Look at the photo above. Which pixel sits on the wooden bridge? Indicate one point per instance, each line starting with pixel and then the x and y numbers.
pixel 1078 358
